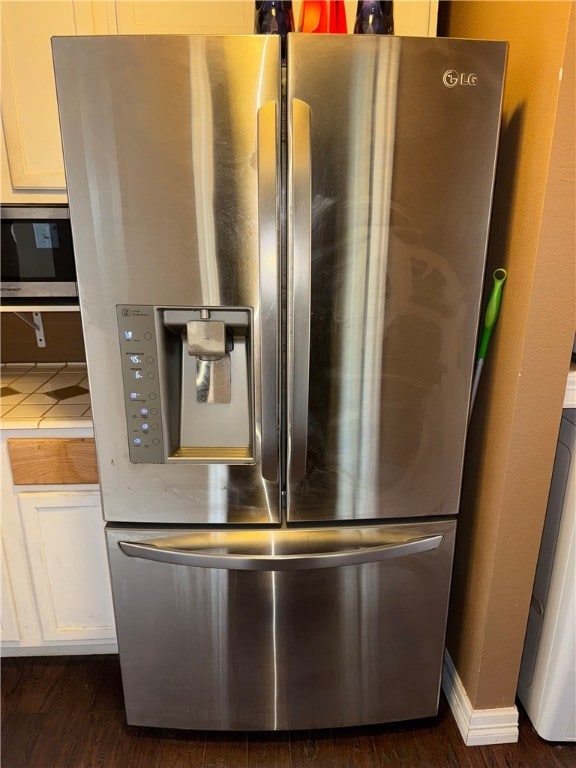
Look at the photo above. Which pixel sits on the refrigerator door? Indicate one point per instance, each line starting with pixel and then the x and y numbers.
pixel 392 148
pixel 281 629
pixel 171 146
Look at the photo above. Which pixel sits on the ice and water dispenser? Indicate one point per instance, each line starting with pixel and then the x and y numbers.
pixel 188 383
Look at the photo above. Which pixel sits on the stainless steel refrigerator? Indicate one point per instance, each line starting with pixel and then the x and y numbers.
pixel 280 274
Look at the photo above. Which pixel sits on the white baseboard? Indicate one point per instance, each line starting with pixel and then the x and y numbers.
pixel 477 726
pixel 73 649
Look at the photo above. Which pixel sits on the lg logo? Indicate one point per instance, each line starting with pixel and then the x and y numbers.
pixel 452 78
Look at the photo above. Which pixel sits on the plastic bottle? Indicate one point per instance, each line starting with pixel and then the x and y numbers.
pixel 322 16
pixel 337 20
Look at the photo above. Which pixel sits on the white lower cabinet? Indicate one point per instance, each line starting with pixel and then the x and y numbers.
pixel 56 595
pixel 64 535
pixel 9 629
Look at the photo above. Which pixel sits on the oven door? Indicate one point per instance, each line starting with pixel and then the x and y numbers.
pixel 37 253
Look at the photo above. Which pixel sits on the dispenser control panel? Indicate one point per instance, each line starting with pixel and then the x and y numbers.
pixel 139 357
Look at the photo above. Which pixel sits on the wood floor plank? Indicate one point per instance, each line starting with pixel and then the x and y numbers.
pixel 449 751
pixel 529 752
pixel 13 684
pixel 100 741
pixel 20 733
pixel 58 732
pixel 67 712
pixel 268 750
pixel 355 748
pixel 32 688
pixel 224 750
pixel 78 684
pixel 182 749
pixel 109 694
pixel 564 754
pixel 313 748
pixel 145 750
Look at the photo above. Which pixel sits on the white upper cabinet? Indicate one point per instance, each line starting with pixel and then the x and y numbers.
pixel 235 17
pixel 32 164
pixel 29 114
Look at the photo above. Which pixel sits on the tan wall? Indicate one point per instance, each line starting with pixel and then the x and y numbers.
pixel 515 423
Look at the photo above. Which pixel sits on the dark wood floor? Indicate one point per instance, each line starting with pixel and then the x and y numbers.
pixel 66 712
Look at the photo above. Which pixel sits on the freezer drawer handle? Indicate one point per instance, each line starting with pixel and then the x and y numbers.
pixel 151 550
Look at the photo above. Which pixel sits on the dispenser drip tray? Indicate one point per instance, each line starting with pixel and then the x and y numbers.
pixel 208 368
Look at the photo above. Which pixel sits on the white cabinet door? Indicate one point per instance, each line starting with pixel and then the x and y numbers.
pixel 64 534
pixel 9 629
pixel 233 17
pixel 29 111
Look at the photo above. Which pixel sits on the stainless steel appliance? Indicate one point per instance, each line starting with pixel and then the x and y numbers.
pixel 280 284
pixel 37 255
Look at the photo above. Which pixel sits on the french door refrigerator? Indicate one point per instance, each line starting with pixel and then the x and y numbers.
pixel 280 273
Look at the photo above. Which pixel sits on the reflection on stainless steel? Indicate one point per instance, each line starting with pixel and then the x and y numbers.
pixel 202 141
pixel 213 383
pixel 161 140
pixel 218 482
pixel 283 649
pixel 401 195
pixel 206 338
pixel 363 295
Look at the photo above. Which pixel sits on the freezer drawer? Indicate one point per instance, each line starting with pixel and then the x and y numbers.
pixel 281 629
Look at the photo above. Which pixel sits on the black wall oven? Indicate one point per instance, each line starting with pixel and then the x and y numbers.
pixel 37 255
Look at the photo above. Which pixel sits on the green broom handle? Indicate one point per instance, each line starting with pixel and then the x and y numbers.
pixel 490 317
pixel 491 313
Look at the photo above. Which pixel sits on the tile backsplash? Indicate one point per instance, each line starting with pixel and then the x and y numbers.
pixel 44 395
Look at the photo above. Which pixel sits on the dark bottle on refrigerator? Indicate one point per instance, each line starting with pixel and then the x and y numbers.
pixel 374 18
pixel 273 17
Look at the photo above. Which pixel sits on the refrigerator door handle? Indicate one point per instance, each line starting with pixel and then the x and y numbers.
pixel 300 234
pixel 268 319
pixel 243 561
